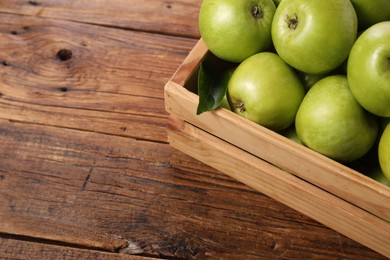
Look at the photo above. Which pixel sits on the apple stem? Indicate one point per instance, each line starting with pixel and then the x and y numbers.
pixel 241 107
pixel 292 22
pixel 257 12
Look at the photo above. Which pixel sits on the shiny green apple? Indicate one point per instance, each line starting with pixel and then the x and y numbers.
pixel 264 89
pixel 331 122
pixel 234 30
pixel 369 69
pixel 314 37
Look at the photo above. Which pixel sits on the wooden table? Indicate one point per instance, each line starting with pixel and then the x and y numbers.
pixel 86 170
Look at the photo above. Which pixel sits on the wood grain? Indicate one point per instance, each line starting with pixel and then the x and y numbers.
pixel 165 17
pixel 22 249
pixel 81 188
pixel 111 83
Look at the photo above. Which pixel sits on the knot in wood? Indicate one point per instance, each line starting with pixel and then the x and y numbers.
pixel 64 54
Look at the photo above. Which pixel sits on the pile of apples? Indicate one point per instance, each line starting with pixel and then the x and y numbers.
pixel 319 68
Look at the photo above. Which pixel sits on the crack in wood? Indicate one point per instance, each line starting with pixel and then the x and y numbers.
pixel 117 244
pixel 87 179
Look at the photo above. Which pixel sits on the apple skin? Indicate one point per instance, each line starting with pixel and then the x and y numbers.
pixel 384 152
pixel 314 37
pixel 230 29
pixel 369 69
pixel 265 90
pixel 370 12
pixel 331 122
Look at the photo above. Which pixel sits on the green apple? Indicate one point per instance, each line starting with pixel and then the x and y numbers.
pixel 370 12
pixel 314 37
pixel 264 89
pixel 384 152
pixel 234 30
pixel 331 122
pixel 369 69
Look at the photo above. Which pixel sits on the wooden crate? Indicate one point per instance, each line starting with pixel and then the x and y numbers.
pixel 323 189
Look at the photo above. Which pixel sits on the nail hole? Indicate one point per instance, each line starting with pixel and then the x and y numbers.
pixel 63 89
pixel 14 32
pixel 169 6
pixel 5 63
pixel 64 54
pixel 34 3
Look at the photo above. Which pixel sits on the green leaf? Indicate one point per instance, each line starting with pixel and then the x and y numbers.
pixel 212 86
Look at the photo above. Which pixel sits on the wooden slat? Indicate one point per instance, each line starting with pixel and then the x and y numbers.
pixel 167 17
pixel 112 83
pixel 284 187
pixel 301 161
pixel 20 249
pixel 103 191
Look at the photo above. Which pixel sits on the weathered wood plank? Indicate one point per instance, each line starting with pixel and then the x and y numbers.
pixel 84 65
pixel 167 17
pixel 11 248
pixel 86 77
pixel 82 188
pixel 120 124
